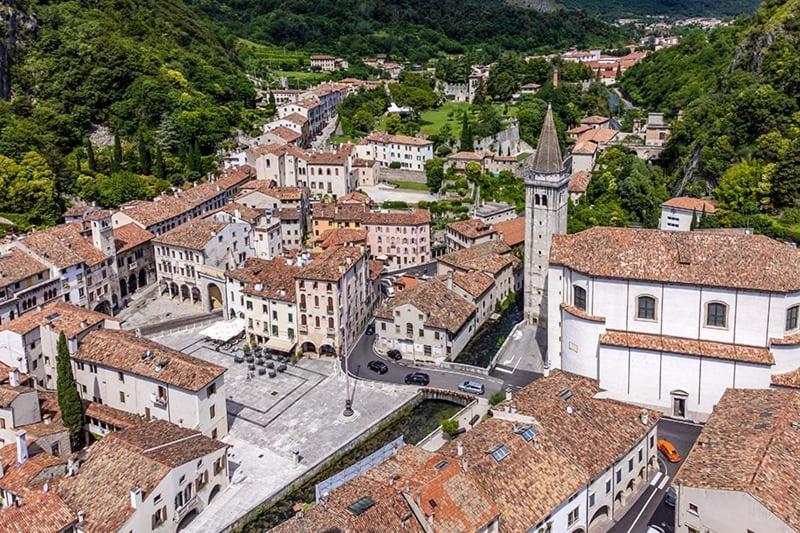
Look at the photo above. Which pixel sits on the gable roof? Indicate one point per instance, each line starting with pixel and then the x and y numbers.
pixel 472 228
pixel 64 246
pixel 579 181
pixel 491 256
pixel 691 204
pixel 267 278
pixel 739 261
pixel 194 234
pixel 750 445
pixel 123 350
pixel 36 511
pixel 443 308
pixel 60 316
pixel 130 236
pixel 16 265
pixel 512 231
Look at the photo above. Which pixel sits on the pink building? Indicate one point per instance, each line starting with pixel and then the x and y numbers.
pixel 399 237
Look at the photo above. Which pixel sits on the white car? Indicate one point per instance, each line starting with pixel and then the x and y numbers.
pixel 655 529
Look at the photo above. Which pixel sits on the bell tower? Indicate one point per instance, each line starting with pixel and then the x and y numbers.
pixel 546 181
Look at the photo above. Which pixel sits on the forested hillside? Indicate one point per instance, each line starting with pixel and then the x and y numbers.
pixel 411 29
pixel 152 71
pixel 739 135
pixel 669 8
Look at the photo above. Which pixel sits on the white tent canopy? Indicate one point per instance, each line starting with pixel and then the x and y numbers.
pixel 224 330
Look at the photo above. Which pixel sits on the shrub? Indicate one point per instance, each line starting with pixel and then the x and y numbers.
pixel 394 164
pixel 450 426
pixel 497 397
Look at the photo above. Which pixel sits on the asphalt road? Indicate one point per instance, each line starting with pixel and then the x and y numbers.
pixel 499 380
pixel 651 509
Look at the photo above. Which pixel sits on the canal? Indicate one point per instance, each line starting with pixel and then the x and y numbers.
pixel 414 424
pixel 487 340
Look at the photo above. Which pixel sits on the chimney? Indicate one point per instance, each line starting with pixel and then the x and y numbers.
pixel 237 214
pixel 84 324
pixel 644 417
pixel 72 467
pixel 509 393
pixel 45 487
pixel 464 464
pixel 81 514
pixel 136 497
pixel 47 419
pixel 2 472
pixel 13 378
pixel 460 449
pixel 546 368
pixel 555 78
pixel 22 448
pixel 450 279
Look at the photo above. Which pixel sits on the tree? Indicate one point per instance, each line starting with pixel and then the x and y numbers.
pixel 90 160
pixel 145 161
pixel 786 177
pixel 434 173
pixel 160 169
pixel 466 134
pixel 116 158
pixel 739 194
pixel 450 426
pixel 69 402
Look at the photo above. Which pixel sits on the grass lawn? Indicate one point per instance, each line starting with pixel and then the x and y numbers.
pixel 452 112
pixel 302 78
pixel 274 56
pixel 410 185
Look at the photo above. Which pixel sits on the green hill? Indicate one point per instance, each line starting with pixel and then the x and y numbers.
pixel 669 8
pixel 739 135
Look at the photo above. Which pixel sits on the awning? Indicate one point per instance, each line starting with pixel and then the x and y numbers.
pixel 225 330
pixel 280 345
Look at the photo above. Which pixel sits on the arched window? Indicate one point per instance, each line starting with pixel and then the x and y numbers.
pixel 791 317
pixel 646 308
pixel 717 315
pixel 544 200
pixel 330 323
pixel 579 297
pixel 536 199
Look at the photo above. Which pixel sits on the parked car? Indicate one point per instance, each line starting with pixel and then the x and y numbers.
pixel 671 497
pixel 371 328
pixel 395 355
pixel 472 387
pixel 418 378
pixel 669 451
pixel 378 366
pixel 655 529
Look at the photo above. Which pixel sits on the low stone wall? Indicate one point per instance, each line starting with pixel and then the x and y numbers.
pixel 400 174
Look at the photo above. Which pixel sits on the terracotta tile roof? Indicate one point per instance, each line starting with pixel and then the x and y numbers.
pixel 469 156
pixel 788 340
pixel 598 135
pixel 109 415
pixel 573 447
pixel 285 133
pixel 682 345
pixel 475 283
pixel 333 265
pixel 267 278
pixel 577 130
pixel 579 181
pixel 697 258
pixel 37 512
pixel 574 311
pixel 787 379
pixel 749 445
pixel 448 497
pixel 375 269
pixel 326 158
pixel 125 351
pixel 691 204
pixel 443 308
pixel 280 193
pixel 140 457
pixel 246 214
pixel 585 147
pixel 512 231
pixel 99 214
pixel 338 212
pixel 385 138
pixel 194 234
pixel 8 394
pixel 61 316
pixel 472 228
pixel 289 214
pixel 354 197
pixel 64 246
pixel 397 217
pixel 341 236
pixel 16 265
pixel 37 468
pixel 130 236
pixel 297 118
pixel 594 119
pixel 492 257
pixel 78 210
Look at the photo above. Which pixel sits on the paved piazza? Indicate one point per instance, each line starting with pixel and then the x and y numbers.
pixel 271 418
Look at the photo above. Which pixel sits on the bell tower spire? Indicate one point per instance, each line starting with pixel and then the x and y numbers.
pixel 546 179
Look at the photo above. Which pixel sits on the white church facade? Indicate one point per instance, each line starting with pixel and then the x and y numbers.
pixel 669 320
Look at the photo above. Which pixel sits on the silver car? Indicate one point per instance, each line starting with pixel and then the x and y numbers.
pixel 472 387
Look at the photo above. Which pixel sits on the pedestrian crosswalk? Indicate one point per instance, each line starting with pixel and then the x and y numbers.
pixel 659 479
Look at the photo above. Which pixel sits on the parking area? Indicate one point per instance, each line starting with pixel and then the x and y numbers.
pixel 274 422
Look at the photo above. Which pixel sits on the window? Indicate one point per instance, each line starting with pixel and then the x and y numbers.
pixel 608 487
pixel 121 377
pixel 641 455
pixel 121 397
pixel 579 297
pixel 211 389
pixel 159 517
pixel 573 516
pixel 791 317
pixel 693 509
pixel 619 476
pixel 646 309
pixel 716 315
pixel 630 465
pixel 212 412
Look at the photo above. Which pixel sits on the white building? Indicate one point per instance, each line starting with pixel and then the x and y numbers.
pixel 672 319
pixel 25 283
pixel 742 473
pixel 410 153
pixel 677 214
pixel 429 323
pixel 150 477
pixel 137 375
pixel 29 342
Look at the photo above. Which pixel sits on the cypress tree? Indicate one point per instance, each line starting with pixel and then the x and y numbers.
pixel 466 134
pixel 90 155
pixel 195 159
pixel 160 169
pixel 67 393
pixel 145 161
pixel 116 160
pixel 78 161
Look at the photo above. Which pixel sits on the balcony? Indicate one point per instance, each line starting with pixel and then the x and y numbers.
pixel 158 400
pixel 303 329
pixel 329 311
pixel 331 332
pixel 186 508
